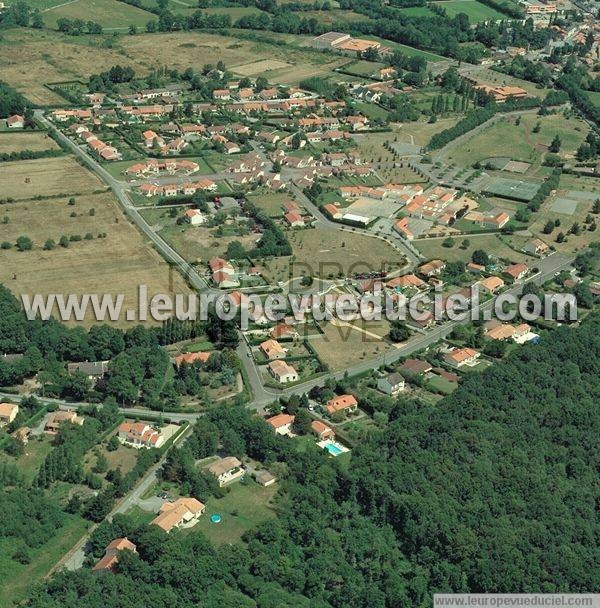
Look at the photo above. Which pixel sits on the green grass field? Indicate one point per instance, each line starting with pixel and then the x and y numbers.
pixel 244 507
pixel 16 579
pixel 110 14
pixel 595 97
pixel 473 9
pixel 506 138
pixel 417 11
pixel 433 249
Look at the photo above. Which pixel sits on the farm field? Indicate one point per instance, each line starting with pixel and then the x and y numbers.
pixel 110 14
pixel 334 16
pixel 433 249
pixel 115 264
pixel 417 11
pixel 519 142
pixel 47 177
pixel 244 507
pixel 26 140
pixel 31 58
pixel 476 11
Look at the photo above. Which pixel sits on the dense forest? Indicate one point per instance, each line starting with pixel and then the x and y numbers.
pixel 494 488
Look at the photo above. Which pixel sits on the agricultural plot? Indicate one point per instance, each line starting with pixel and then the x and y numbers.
pixel 116 263
pixel 26 140
pixel 29 59
pixel 46 177
pixel 110 14
pixel 362 68
pixel 476 11
pixel 417 11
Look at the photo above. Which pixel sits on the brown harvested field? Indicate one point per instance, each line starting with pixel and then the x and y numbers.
pixel 329 252
pixel 256 68
pixel 46 177
pixel 29 59
pixel 342 346
pixel 26 140
pixel 115 264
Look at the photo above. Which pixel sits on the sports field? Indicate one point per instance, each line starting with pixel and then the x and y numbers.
pixel 110 14
pixel 515 189
pixel 476 11
pixel 117 263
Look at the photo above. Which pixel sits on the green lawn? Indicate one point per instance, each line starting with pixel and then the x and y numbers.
pixel 442 385
pixel 595 97
pixel 17 579
pixel 244 507
pixel 417 11
pixel 372 111
pixel 473 9
pixel 110 14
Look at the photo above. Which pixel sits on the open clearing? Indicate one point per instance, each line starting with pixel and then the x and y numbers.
pixel 115 264
pixel 29 59
pixel 518 141
pixel 47 177
pixel 342 346
pixel 109 14
pixel 26 140
pixel 329 253
pixel 433 249
pixel 259 67
pixel 476 11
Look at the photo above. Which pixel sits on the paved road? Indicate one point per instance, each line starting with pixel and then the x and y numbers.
pixel 76 556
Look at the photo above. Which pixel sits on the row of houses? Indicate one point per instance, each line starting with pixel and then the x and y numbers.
pixel 186 188
pixel 153 166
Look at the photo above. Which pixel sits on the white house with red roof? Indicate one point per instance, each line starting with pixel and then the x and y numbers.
pixel 140 435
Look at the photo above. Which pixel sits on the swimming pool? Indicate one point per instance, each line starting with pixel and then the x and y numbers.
pixel 332 449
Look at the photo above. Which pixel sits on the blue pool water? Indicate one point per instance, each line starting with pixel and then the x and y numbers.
pixel 215 519
pixel 332 449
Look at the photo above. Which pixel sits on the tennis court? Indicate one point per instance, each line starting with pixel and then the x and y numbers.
pixel 512 188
